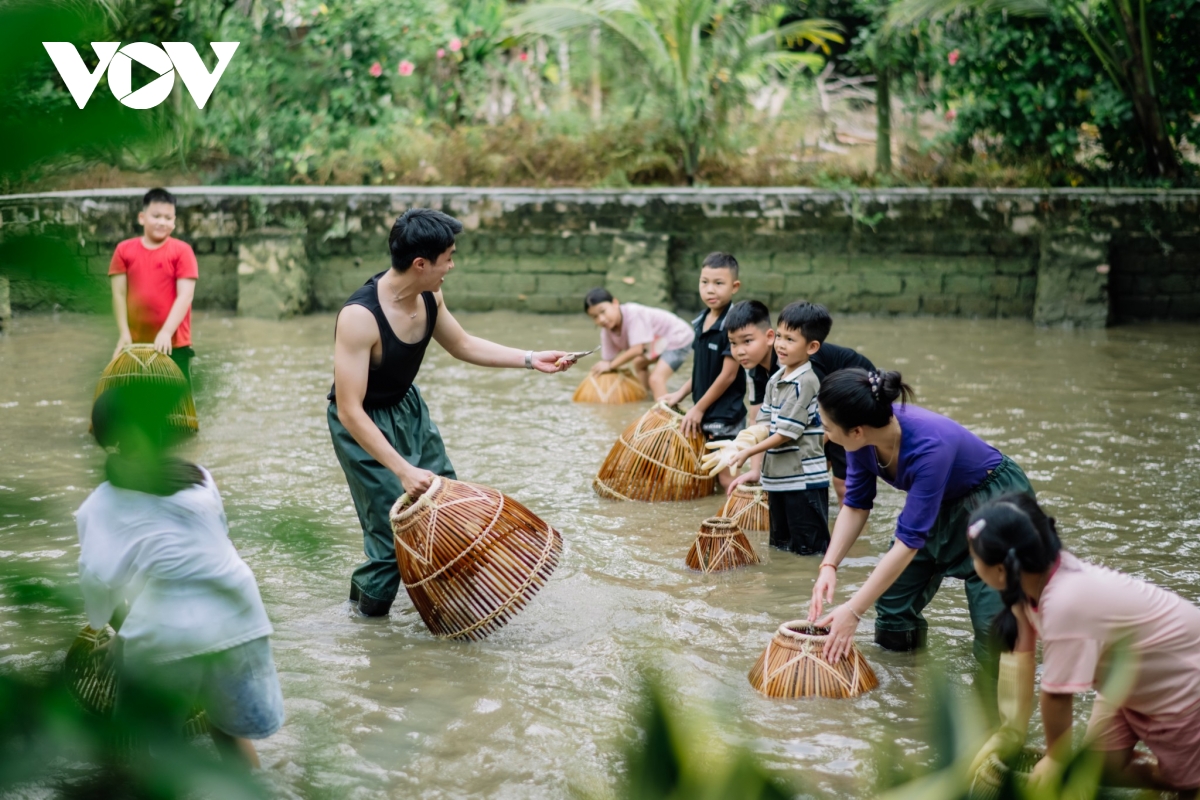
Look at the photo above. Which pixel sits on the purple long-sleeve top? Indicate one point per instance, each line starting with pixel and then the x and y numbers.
pixel 939 461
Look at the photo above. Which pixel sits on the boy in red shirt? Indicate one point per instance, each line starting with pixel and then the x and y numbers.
pixel 153 282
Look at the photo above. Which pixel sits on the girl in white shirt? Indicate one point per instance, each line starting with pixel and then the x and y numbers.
pixel 156 562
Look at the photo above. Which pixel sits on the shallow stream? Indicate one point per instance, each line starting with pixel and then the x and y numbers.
pixel 1104 422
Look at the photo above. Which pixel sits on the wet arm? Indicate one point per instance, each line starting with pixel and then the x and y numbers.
pixel 1057 719
pixel 185 291
pixel 482 352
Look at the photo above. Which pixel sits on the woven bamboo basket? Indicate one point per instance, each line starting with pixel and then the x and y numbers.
pixel 93 681
pixel 652 460
pixel 141 363
pixel 720 545
pixel 792 666
pixel 748 508
pixel 610 388
pixel 470 557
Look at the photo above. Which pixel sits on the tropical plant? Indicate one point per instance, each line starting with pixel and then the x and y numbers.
pixel 1122 34
pixel 700 55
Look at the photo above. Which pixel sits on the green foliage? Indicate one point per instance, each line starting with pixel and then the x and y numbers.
pixel 701 56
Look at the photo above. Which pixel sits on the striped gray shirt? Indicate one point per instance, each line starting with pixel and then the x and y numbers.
pixel 790 407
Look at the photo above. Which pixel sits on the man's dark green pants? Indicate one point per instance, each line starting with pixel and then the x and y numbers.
pixel 374 487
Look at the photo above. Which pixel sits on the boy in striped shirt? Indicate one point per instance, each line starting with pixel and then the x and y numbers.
pixel 788 429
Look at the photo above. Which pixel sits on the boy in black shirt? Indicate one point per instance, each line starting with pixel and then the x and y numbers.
pixel 717 384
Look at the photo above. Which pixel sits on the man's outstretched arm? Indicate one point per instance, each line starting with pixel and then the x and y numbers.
pixel 356 332
pixel 481 352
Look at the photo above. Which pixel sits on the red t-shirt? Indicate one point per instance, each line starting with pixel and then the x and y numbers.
pixel 151 275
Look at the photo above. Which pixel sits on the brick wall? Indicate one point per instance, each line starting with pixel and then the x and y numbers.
pixel 1059 256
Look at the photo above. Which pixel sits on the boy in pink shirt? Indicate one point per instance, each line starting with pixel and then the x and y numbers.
pixel 1084 614
pixel 153 282
pixel 638 336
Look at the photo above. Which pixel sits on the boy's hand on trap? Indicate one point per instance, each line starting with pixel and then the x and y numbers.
pixel 162 343
pixel 601 366
pixel 123 341
pixel 691 421
pixel 753 476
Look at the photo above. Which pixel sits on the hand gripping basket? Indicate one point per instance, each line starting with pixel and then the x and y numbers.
pixel 470 557
pixel 92 680
pixel 792 666
pixel 610 388
pixel 652 460
pixel 141 363
pixel 720 545
pixel 748 508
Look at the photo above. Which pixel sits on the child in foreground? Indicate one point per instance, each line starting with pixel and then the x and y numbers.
pixel 153 280
pixel 638 336
pixel 157 564
pixel 717 385
pixel 788 430
pixel 1084 616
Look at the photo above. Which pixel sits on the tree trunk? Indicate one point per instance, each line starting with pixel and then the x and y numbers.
pixel 564 74
pixel 883 121
pixel 1161 158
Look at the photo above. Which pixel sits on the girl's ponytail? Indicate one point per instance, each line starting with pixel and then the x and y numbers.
pixel 1014 531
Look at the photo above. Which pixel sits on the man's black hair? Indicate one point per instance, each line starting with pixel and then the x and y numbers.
pixel 811 319
pixel 719 260
pixel 596 296
pixel 157 195
pixel 421 233
pixel 747 312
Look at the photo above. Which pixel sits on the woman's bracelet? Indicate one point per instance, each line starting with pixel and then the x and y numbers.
pixel 857 615
pixel 827 564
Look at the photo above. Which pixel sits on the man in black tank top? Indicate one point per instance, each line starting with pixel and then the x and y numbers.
pixel 382 433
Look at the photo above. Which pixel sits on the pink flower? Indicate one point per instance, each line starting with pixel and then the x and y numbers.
pixel 951 115
pixel 953 57
pixel 376 70
pixel 523 56
pixel 441 52
pixel 455 45
pixel 406 68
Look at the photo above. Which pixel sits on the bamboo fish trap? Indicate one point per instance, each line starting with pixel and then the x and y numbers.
pixel 720 545
pixel 748 508
pixel 141 363
pixel 610 388
pixel 792 666
pixel 652 460
pixel 93 682
pixel 470 558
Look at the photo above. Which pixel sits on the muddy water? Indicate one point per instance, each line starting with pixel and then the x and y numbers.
pixel 1104 422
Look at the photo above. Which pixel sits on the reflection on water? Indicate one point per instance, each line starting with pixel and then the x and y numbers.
pixel 1104 422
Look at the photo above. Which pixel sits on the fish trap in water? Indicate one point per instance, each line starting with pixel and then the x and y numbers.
pixel 652 461
pixel 792 666
pixel 143 365
pixel 610 388
pixel 748 508
pixel 470 557
pixel 92 680
pixel 720 545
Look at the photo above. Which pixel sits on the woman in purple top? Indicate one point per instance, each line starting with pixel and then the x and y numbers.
pixel 947 472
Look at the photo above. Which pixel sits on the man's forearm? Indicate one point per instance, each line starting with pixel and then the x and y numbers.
pixel 484 353
pixel 370 438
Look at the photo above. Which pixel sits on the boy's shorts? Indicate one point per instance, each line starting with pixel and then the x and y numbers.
pixel 835 454
pixel 716 431
pixel 1174 740
pixel 238 688
pixel 800 520
pixel 674 358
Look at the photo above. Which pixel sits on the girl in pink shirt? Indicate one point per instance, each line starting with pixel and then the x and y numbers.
pixel 1084 615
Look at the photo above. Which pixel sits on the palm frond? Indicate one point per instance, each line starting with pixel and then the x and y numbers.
pixel 905 13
